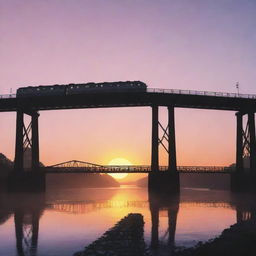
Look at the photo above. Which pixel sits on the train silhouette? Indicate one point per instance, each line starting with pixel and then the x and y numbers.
pixel 72 89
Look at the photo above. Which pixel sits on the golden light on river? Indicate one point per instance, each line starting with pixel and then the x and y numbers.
pixel 119 161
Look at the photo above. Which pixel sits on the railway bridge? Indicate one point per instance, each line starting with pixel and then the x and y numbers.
pixel 243 105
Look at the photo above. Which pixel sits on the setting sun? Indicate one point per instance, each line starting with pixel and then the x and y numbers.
pixel 119 161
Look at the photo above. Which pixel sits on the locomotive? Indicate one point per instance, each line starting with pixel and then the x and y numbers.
pixel 73 89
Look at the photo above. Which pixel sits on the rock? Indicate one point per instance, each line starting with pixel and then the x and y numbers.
pixel 126 238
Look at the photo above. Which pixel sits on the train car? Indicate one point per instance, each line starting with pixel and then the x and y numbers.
pixel 42 90
pixel 74 89
pixel 106 87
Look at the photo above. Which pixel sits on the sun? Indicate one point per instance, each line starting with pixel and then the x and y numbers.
pixel 119 161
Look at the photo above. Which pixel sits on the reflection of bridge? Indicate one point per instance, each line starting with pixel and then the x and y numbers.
pixel 75 166
pixel 90 206
pixel 86 207
pixel 27 213
pixel 27 229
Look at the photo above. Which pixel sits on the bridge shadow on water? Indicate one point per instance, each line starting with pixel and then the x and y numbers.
pixel 27 209
pixel 244 205
pixel 171 205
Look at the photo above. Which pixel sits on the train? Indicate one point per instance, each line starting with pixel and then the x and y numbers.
pixel 86 88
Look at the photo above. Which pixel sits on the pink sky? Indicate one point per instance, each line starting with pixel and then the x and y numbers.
pixel 201 45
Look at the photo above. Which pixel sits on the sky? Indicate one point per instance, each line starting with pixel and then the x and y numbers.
pixel 180 44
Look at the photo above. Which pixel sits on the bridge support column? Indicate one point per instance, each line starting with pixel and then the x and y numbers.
pixel 239 142
pixel 244 180
pixel 30 179
pixel 18 161
pixel 35 141
pixel 154 145
pixel 251 122
pixel 172 165
pixel 163 182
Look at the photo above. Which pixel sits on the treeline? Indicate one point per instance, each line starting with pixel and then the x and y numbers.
pixel 79 180
pixel 71 180
pixel 6 165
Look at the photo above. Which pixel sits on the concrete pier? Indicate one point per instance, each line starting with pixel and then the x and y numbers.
pixel 243 182
pixel 27 181
pixel 164 182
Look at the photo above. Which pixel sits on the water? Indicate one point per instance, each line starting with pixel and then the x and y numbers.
pixel 69 219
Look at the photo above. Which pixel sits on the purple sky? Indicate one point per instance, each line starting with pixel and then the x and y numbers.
pixel 201 45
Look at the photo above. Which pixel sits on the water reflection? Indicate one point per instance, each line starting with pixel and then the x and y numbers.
pixel 71 219
pixel 245 209
pixel 171 205
pixel 26 229
pixel 26 210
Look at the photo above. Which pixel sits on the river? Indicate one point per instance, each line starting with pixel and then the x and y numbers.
pixel 62 222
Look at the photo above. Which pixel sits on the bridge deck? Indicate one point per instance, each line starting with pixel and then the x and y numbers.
pixel 161 97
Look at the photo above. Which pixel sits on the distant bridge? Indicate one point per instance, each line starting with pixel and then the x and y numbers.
pixel 75 166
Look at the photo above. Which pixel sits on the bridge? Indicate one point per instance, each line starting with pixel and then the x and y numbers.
pixel 242 104
pixel 153 96
pixel 75 166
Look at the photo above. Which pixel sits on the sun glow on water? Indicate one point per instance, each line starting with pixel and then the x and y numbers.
pixel 119 161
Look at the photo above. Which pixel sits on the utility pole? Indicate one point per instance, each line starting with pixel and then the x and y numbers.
pixel 237 87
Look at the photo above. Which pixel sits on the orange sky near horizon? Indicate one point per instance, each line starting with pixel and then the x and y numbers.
pixel 200 45
pixel 103 137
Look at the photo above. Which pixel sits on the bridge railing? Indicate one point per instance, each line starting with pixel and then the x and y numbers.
pixel 138 168
pixel 7 96
pixel 105 168
pixel 178 91
pixel 204 169
pixel 202 93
